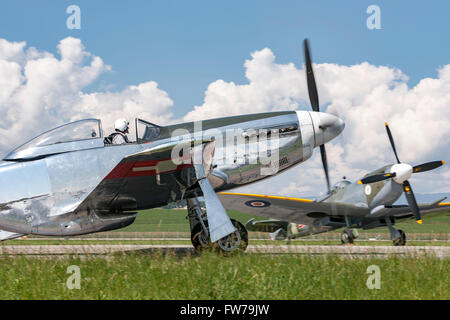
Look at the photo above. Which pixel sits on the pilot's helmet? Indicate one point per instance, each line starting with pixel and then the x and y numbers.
pixel 121 125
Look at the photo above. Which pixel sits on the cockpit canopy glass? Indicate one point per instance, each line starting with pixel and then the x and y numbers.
pixel 146 131
pixel 341 184
pixel 74 131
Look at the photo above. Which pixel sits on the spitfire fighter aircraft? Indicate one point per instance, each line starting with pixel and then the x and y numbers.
pixel 367 204
pixel 71 181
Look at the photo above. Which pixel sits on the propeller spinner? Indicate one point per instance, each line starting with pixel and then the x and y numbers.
pixel 400 173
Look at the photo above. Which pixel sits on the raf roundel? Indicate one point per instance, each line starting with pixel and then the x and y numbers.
pixel 257 203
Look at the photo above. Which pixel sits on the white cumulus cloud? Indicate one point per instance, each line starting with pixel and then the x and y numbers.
pixel 365 96
pixel 40 90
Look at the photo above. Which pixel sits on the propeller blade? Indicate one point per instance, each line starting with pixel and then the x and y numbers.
pixel 323 154
pixel 392 141
pixel 412 203
pixel 312 88
pixel 427 166
pixel 377 177
pixel 314 99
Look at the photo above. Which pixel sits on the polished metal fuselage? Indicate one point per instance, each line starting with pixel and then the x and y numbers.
pixel 47 194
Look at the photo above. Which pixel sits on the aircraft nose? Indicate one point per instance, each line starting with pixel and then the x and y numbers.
pixel 326 127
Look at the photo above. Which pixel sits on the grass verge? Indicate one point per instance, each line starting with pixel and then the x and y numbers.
pixel 209 276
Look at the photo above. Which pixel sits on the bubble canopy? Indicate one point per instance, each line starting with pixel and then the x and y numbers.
pixel 78 135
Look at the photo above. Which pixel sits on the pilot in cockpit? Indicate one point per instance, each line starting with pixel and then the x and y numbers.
pixel 122 129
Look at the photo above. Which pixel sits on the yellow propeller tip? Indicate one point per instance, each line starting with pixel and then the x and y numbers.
pixel 360 182
pixel 386 124
pixel 419 221
pixel 443 162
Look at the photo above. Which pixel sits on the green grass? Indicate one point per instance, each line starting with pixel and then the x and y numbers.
pixel 209 276
pixel 165 220
pixel 168 224
pixel 170 220
pixel 438 222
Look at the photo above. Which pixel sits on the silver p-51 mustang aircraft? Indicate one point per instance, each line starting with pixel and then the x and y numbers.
pixel 70 181
pixel 367 204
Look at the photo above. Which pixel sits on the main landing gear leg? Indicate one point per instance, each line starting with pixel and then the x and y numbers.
pixel 398 236
pixel 349 235
pixel 215 228
pixel 199 225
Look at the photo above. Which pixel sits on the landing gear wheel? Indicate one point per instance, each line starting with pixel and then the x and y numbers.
pixel 347 236
pixel 400 241
pixel 234 242
pixel 200 240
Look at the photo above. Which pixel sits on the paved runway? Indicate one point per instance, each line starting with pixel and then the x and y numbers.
pixel 315 250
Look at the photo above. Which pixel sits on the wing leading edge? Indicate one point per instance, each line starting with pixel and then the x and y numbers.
pixel 425 209
pixel 297 210
pixel 312 213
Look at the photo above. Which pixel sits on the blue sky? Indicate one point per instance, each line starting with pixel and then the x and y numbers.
pixel 186 45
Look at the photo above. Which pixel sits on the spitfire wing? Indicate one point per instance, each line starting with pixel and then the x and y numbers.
pixel 438 207
pixel 300 211
pixel 148 179
pixel 306 211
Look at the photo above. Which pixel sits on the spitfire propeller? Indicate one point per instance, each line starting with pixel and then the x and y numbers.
pixel 400 173
pixel 314 99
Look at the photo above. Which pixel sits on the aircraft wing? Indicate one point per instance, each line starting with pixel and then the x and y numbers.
pixel 403 211
pixel 5 235
pixel 300 211
pixel 149 178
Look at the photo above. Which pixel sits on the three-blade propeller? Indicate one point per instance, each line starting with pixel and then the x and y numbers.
pixel 314 99
pixel 400 173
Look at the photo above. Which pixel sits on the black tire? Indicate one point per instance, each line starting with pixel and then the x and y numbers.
pixel 401 241
pixel 347 236
pixel 197 238
pixel 243 241
pixel 200 243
